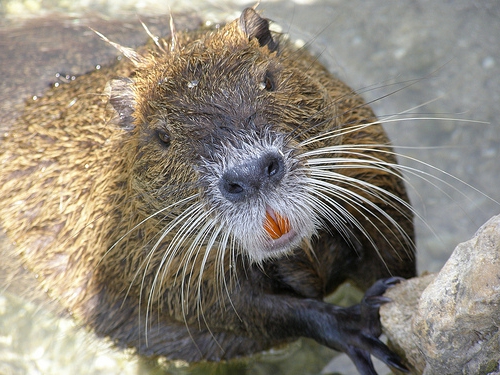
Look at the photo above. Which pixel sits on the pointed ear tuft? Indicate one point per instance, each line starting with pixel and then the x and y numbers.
pixel 121 98
pixel 254 26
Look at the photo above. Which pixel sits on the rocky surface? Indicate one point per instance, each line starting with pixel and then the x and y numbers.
pixel 449 323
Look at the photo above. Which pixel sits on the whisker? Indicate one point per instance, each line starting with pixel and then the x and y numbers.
pixel 188 220
pixel 184 220
pixel 198 243
pixel 135 227
pixel 358 202
pixel 227 242
pixel 325 193
pixel 364 157
pixel 350 94
pixel 361 151
pixel 337 132
pixel 145 263
pixel 325 211
pixel 208 247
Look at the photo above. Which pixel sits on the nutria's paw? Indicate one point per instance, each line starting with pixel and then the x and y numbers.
pixel 361 329
pixel 355 330
pixel 371 302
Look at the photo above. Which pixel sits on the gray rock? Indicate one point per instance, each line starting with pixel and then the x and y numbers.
pixel 396 318
pixel 453 328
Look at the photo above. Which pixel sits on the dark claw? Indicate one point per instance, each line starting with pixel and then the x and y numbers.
pixel 394 280
pixel 362 361
pixel 374 298
pixel 376 301
pixel 372 345
pixel 357 328
pixel 370 304
pixel 381 286
pixel 396 363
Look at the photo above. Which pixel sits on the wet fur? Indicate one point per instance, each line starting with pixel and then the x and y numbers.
pixel 114 206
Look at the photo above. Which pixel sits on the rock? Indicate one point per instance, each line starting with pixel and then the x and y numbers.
pixel 397 316
pixel 453 328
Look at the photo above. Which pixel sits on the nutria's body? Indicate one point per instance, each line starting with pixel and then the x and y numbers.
pixel 153 227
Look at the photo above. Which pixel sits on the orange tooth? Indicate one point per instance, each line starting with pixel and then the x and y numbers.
pixel 283 223
pixel 271 227
pixel 276 227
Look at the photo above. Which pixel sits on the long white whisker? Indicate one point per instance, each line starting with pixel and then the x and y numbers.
pixel 325 211
pixel 332 191
pixel 213 238
pixel 146 261
pixel 221 254
pixel 337 132
pixel 361 151
pixel 357 201
pixel 188 220
pixel 184 220
pixel 135 227
pixel 198 242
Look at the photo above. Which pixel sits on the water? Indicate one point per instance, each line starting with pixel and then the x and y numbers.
pixel 433 59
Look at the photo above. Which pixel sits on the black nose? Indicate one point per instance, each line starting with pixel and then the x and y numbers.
pixel 245 180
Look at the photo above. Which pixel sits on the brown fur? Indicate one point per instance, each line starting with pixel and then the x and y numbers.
pixel 77 183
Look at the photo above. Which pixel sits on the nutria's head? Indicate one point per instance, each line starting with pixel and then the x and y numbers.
pixel 217 121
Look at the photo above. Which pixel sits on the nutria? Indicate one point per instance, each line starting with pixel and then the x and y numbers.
pixel 199 200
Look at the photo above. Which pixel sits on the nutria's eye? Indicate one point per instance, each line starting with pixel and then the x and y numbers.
pixel 268 83
pixel 164 137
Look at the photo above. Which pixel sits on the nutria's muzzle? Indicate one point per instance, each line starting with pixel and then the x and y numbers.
pixel 246 180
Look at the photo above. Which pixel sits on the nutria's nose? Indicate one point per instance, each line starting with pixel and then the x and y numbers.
pixel 245 180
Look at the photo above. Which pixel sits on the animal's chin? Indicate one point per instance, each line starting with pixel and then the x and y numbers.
pixel 275 248
pixel 271 234
pixel 284 244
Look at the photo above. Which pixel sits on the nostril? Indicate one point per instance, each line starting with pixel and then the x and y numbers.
pixel 233 188
pixel 273 168
pixel 255 176
pixel 234 185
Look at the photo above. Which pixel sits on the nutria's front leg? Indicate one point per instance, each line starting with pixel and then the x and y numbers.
pixel 353 330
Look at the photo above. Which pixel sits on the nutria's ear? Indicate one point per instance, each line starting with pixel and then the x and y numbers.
pixel 254 26
pixel 121 97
